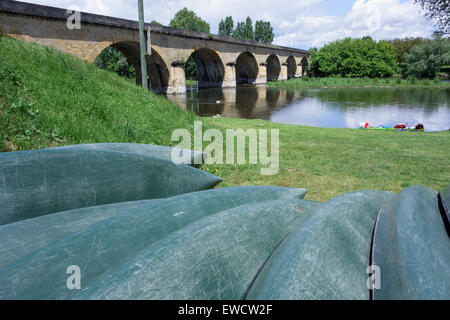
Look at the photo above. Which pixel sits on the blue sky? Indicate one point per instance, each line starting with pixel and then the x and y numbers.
pixel 299 23
pixel 336 7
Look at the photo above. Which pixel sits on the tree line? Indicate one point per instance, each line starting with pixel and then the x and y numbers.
pixel 410 57
pixel 263 31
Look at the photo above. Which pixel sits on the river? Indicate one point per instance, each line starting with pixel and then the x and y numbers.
pixel 328 107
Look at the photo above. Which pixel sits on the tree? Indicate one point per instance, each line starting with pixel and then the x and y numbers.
pixel 113 60
pixel 437 11
pixel 238 32
pixel 403 46
pixel 427 59
pixel 188 20
pixel 226 27
pixel 263 32
pixel 156 22
pixel 248 30
pixel 244 30
pixel 354 58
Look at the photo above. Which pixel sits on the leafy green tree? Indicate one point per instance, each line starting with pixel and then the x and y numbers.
pixel 263 32
pixel 238 32
pixel 190 69
pixel 403 46
pixel 113 60
pixel 188 20
pixel 354 58
pixel 426 60
pixel 226 27
pixel 156 22
pixel 244 30
pixel 248 30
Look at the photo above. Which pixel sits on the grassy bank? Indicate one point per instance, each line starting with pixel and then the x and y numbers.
pixel 308 82
pixel 48 98
pixel 329 162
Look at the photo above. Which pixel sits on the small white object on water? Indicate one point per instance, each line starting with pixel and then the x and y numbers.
pixel 218 101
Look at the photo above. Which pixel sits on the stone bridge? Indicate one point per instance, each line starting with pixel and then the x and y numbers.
pixel 221 61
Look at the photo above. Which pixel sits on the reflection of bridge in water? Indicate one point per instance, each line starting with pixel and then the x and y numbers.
pixel 250 102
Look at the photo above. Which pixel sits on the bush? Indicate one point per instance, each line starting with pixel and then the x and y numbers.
pixel 426 60
pixel 355 58
pixel 412 79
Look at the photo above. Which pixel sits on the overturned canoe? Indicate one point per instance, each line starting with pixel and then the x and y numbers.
pixel 99 239
pixel 214 258
pixel 162 152
pixel 444 202
pixel 327 256
pixel 40 182
pixel 412 248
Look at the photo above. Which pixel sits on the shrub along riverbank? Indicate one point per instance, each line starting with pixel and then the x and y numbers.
pixel 330 82
pixel 48 98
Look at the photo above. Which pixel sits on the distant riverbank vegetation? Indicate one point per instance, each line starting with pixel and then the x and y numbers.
pixel 340 82
pixel 368 63
pixel 358 58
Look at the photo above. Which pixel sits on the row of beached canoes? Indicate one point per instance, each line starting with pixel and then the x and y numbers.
pixel 140 227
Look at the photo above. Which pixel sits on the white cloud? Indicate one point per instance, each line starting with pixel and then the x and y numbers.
pixel 380 19
pixel 296 23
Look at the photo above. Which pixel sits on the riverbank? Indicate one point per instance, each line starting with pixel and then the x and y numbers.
pixel 307 82
pixel 329 162
pixel 48 99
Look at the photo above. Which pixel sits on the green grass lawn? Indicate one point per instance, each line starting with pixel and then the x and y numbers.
pixel 48 98
pixel 307 82
pixel 330 162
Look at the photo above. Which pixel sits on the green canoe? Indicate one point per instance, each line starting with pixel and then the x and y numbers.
pixel 327 256
pixel 444 202
pixel 40 182
pixel 412 248
pixel 214 258
pixel 35 253
pixel 162 152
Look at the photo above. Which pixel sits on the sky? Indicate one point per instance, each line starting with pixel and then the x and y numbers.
pixel 297 23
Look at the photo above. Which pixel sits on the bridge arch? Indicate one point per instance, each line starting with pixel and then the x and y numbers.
pixel 157 70
pixel 130 51
pixel 291 67
pixel 246 68
pixel 209 68
pixel 273 68
pixel 304 65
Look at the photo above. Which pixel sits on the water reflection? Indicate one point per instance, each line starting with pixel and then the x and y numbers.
pixel 332 108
